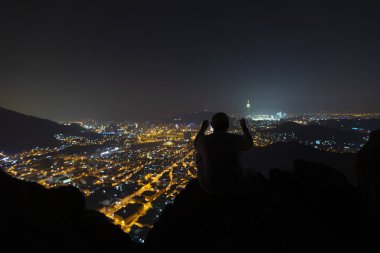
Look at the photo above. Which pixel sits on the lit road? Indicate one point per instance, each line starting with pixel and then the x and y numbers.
pixel 127 223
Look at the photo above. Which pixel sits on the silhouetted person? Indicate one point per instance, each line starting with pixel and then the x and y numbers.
pixel 218 157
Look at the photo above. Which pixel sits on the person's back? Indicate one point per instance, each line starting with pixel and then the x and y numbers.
pixel 219 168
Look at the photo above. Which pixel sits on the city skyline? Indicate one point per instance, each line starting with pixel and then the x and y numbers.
pixel 267 114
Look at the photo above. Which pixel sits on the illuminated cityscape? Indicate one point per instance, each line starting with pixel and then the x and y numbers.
pixel 194 127
pixel 134 169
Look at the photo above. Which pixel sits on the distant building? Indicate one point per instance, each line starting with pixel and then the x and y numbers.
pixel 248 113
pixel 281 115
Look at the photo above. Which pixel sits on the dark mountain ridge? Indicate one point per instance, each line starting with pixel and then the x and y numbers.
pixel 19 132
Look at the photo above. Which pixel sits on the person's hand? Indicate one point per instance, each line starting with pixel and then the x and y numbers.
pixel 243 124
pixel 204 125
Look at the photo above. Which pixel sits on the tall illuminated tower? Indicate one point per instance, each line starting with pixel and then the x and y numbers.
pixel 248 110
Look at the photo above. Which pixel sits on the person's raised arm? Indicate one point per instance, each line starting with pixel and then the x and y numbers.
pixel 201 132
pixel 247 137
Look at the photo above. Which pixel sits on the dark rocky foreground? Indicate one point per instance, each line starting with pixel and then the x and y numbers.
pixel 34 218
pixel 310 209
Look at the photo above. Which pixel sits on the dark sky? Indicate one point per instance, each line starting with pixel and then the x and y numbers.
pixel 122 61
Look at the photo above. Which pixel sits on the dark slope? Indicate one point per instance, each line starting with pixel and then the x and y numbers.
pixel 20 132
pixel 368 172
pixel 34 218
pixel 283 154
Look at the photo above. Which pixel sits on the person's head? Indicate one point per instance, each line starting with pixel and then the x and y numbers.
pixel 220 122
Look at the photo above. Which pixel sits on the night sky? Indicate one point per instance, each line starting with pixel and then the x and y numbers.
pixel 134 61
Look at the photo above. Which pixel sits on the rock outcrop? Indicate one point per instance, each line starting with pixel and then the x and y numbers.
pixel 34 218
pixel 368 172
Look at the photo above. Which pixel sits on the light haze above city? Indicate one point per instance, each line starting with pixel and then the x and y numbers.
pixel 135 61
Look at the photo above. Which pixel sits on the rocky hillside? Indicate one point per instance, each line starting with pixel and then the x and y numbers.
pixel 34 218
pixel 19 132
